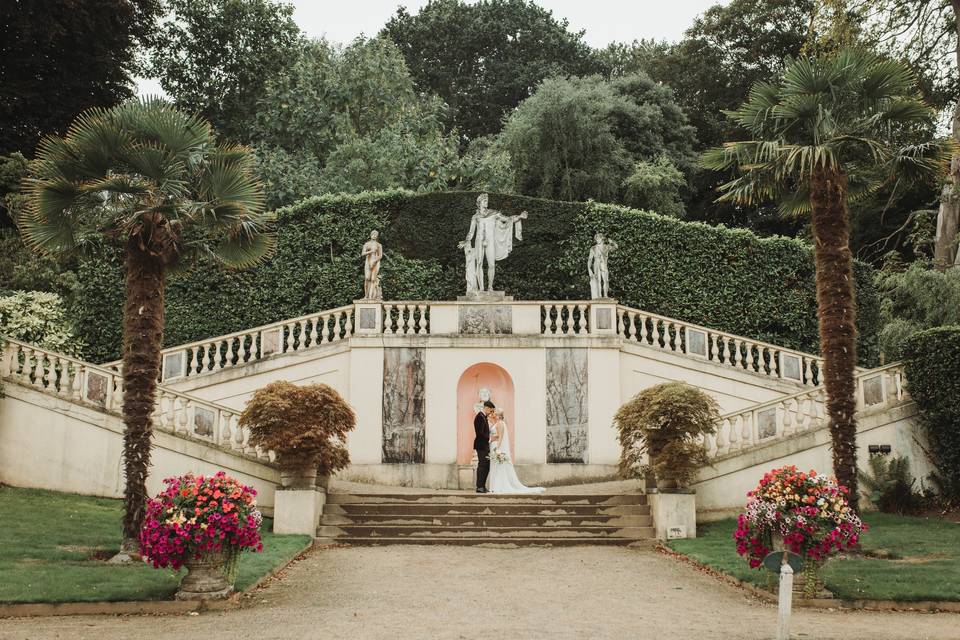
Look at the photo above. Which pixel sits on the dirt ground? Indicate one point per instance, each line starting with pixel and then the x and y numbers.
pixel 473 592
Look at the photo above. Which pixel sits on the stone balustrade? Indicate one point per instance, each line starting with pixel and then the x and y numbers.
pixel 242 347
pixel 877 389
pixel 406 318
pixel 565 318
pixel 551 319
pixel 101 387
pixel 717 346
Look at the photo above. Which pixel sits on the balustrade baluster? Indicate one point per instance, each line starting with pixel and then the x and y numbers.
pixel 76 391
pixel 790 417
pixel 66 379
pixel 584 327
pixel 735 427
pixel 747 435
pixel 116 387
pixel 721 439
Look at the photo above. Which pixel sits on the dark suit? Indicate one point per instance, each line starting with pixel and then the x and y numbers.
pixel 482 445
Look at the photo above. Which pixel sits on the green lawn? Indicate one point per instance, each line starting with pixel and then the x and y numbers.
pixel 919 559
pixel 53 548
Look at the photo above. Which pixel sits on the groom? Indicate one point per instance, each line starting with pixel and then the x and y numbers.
pixel 482 444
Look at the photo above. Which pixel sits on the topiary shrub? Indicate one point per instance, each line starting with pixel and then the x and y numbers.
pixel 889 485
pixel 932 360
pixel 305 425
pixel 727 279
pixel 667 422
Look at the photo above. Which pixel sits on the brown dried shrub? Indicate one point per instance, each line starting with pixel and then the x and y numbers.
pixel 305 425
pixel 666 422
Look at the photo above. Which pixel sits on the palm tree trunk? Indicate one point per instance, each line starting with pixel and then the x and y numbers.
pixel 836 311
pixel 143 318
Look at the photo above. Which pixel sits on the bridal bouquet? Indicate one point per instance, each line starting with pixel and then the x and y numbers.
pixel 498 456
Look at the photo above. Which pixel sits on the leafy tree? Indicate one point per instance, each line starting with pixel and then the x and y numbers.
pixel 828 122
pixel 581 138
pixel 484 58
pixel 154 181
pixel 914 300
pixel 38 318
pixel 214 57
pixel 352 120
pixel 728 49
pixel 60 57
pixel 927 34
pixel 669 423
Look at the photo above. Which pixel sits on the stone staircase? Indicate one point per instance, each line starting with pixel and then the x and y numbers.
pixel 485 519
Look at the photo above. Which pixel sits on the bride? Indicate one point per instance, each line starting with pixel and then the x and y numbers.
pixel 503 477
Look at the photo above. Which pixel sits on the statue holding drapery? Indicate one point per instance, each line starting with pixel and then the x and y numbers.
pixel 492 234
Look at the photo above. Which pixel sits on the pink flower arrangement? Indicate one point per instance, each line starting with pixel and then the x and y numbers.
pixel 809 511
pixel 196 515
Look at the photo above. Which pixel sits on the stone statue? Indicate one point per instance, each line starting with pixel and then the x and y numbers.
pixel 372 253
pixel 597 267
pixel 470 256
pixel 492 234
pixel 484 395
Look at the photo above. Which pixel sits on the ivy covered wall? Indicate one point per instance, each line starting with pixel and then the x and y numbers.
pixel 728 279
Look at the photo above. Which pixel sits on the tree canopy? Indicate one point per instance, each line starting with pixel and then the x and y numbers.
pixel 582 138
pixel 213 57
pixel 60 57
pixel 484 58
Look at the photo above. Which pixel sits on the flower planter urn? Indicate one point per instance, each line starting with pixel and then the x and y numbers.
pixel 301 478
pixel 205 579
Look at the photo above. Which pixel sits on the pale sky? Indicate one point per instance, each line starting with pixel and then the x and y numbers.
pixel 605 21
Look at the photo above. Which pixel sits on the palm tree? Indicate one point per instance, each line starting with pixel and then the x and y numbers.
pixel 834 128
pixel 153 180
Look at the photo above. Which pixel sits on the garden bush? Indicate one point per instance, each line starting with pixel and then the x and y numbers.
pixel 729 279
pixel 932 360
pixel 667 422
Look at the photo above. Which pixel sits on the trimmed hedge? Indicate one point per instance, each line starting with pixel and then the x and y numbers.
pixel 932 360
pixel 729 279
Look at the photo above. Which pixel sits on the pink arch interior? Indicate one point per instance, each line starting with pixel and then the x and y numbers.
pixel 479 376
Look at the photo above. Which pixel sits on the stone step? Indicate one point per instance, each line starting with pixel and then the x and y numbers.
pixel 485 520
pixel 488 499
pixel 483 541
pixel 494 533
pixel 420 509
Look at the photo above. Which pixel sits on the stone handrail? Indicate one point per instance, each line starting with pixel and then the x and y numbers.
pixel 718 346
pixel 769 421
pixel 242 347
pixel 101 387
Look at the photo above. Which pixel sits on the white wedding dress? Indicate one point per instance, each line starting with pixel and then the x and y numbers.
pixel 503 477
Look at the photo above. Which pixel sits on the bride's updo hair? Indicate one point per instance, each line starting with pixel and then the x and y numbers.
pixel 498 413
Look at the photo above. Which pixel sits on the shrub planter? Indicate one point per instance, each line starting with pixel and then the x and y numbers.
pixel 205 579
pixel 323 481
pixel 674 513
pixel 298 511
pixel 302 478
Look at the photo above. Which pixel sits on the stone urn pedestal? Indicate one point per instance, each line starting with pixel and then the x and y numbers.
pixel 298 504
pixel 205 579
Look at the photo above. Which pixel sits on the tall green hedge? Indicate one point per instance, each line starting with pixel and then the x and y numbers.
pixel 729 279
pixel 932 361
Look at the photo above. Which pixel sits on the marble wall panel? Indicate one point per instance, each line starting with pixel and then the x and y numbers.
pixel 567 405
pixel 486 319
pixel 404 404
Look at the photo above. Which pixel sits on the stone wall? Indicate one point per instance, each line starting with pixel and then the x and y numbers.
pixel 48 442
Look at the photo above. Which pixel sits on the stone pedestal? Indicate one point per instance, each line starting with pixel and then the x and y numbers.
pixel 486 296
pixel 368 317
pixel 603 317
pixel 674 514
pixel 298 510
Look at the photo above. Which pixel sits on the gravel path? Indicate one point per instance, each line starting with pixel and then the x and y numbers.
pixel 472 592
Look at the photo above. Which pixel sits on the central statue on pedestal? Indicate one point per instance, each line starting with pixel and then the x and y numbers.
pixel 491 237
